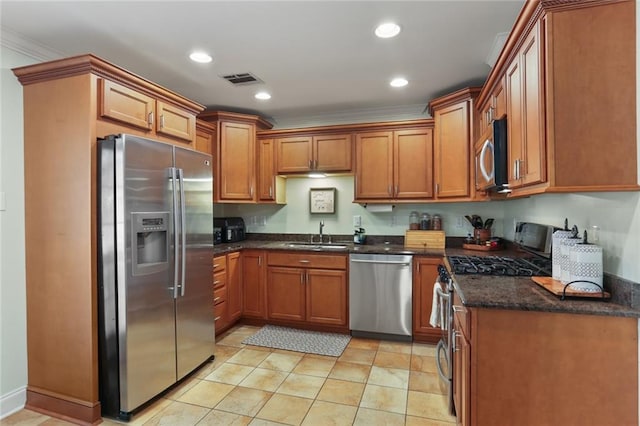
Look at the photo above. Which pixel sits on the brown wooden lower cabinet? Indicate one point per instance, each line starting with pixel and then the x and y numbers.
pixel 286 293
pixel 425 273
pixel 299 292
pixel 254 278
pixel 544 368
pixel 227 290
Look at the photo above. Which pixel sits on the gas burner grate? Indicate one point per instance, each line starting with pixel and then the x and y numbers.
pixel 500 265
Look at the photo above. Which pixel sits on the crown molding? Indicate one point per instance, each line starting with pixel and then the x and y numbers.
pixel 362 115
pixel 18 43
pixel 498 43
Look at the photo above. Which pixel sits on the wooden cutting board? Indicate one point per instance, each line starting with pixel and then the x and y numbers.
pixel 556 287
pixel 424 239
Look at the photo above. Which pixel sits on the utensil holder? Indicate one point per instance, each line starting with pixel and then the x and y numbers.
pixel 481 235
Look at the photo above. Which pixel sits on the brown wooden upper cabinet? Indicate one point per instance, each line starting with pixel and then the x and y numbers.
pixel 235 155
pixel 205 137
pixel 525 129
pixel 271 187
pixel 494 108
pixel 453 116
pixel 321 153
pixel 139 110
pixel 571 123
pixel 394 165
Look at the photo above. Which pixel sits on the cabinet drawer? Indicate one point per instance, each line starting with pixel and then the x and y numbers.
pixel 219 295
pixel 219 279
pixel 173 121
pixel 219 263
pixel 306 260
pixel 120 103
pixel 220 314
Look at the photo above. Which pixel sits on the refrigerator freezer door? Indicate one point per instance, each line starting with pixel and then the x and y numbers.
pixel 195 335
pixel 145 296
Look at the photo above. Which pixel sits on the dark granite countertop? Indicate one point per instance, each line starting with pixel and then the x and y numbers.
pixel 521 293
pixel 337 247
pixel 476 291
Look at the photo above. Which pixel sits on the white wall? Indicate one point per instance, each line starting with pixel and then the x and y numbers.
pixel 294 217
pixel 13 334
pixel 616 214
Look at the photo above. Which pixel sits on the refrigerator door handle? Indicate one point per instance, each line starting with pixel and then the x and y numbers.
pixel 183 231
pixel 176 283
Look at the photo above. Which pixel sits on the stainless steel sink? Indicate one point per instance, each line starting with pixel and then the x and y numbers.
pixel 316 246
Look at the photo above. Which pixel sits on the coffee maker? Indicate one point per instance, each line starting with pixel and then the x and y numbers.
pixel 232 229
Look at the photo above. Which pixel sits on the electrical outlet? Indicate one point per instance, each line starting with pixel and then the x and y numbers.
pixel 394 221
pixel 460 222
pixel 357 221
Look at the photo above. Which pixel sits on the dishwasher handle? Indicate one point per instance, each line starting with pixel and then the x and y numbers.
pixel 381 262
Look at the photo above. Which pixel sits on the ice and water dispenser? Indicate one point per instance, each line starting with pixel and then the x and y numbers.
pixel 150 242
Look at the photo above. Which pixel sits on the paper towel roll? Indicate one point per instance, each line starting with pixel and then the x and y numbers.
pixel 556 265
pixel 585 264
pixel 379 208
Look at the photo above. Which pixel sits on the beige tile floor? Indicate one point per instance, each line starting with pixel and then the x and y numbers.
pixel 373 383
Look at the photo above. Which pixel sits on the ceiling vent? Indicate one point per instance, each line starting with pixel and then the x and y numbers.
pixel 242 79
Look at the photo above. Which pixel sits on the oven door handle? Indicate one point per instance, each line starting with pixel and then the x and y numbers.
pixel 440 348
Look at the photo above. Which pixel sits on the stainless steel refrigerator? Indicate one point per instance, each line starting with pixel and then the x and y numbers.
pixel 155 224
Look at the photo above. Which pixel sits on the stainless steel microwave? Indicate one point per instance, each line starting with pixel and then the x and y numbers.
pixel 491 159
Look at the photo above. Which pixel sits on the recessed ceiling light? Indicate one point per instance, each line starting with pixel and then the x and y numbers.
pixel 200 57
pixel 399 82
pixel 387 30
pixel 263 96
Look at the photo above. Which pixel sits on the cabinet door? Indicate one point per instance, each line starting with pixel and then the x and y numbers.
pixel 254 283
pixel 175 122
pixel 413 164
pixel 425 273
pixel 532 167
pixel 452 151
pixel 234 287
pixel 237 161
pixel 205 134
pixel 462 375
pixel 326 293
pixel 129 106
pixel 294 154
pixel 374 165
pixel 332 153
pixel 266 172
pixel 514 125
pixel 499 100
pixel 286 293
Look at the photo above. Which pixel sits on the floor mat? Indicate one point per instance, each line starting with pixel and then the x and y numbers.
pixel 291 339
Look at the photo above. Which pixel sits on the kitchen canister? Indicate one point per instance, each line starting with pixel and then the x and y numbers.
pixel 565 254
pixel 585 267
pixel 558 237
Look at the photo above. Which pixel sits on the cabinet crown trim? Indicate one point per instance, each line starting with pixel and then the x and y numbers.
pixel 345 128
pixel 88 63
pixel 454 98
pixel 260 122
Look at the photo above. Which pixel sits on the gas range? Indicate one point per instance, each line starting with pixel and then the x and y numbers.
pixel 500 265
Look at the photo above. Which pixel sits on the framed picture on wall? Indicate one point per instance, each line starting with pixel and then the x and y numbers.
pixel 322 200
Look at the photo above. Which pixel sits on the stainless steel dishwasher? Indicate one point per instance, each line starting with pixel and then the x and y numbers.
pixel 380 293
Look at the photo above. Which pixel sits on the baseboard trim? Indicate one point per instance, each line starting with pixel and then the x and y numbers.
pixel 12 402
pixel 71 411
